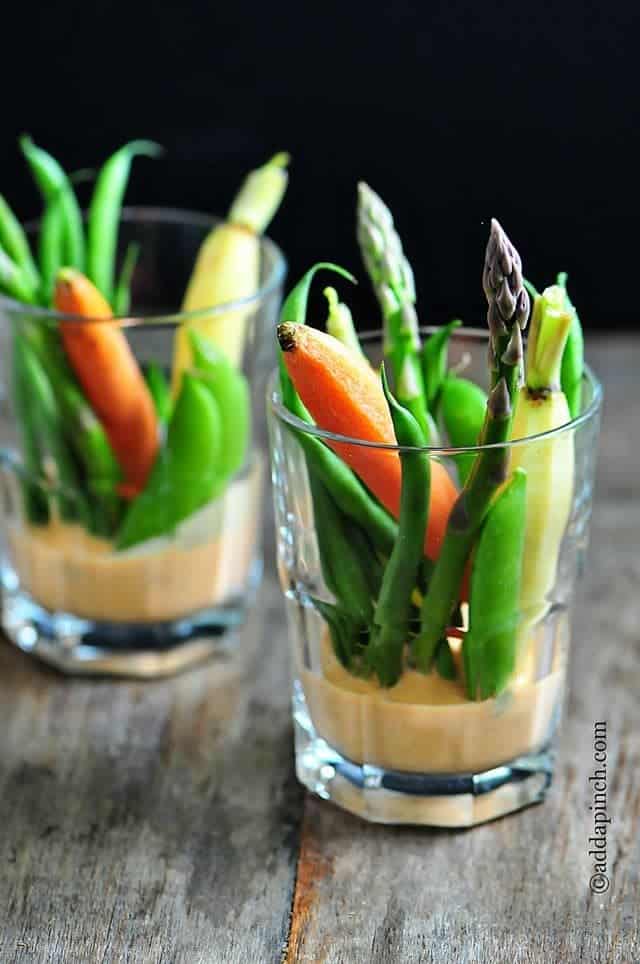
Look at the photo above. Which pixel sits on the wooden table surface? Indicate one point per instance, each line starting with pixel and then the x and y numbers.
pixel 163 822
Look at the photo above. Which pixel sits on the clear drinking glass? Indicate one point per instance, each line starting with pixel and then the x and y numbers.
pixel 69 595
pixel 422 751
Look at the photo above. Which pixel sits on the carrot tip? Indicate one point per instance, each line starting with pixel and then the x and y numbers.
pixel 286 333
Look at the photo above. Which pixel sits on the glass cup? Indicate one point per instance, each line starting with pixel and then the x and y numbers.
pixel 423 751
pixel 73 591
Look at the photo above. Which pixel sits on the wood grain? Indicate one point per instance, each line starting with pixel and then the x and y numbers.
pixel 162 822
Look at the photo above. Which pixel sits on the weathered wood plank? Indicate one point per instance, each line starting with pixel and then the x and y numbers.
pixel 149 822
pixel 517 890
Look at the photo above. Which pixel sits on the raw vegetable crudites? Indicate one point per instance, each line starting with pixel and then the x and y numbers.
pixel 457 563
pixel 106 444
pixel 110 377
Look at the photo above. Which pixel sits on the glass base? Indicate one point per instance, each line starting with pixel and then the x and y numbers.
pixel 422 799
pixel 141 650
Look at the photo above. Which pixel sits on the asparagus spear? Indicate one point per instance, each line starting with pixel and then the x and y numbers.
pixel 507 314
pixel 392 279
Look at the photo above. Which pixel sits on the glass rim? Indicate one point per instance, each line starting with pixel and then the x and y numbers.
pixel 470 333
pixel 133 214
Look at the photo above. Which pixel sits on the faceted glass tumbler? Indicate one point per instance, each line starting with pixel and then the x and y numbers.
pixel 421 751
pixel 69 595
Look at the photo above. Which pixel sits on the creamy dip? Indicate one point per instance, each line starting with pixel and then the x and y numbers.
pixel 205 562
pixel 425 724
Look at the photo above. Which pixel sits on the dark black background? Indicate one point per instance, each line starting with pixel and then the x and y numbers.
pixel 453 110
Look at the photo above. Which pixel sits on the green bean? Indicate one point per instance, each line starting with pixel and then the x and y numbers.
pixel 573 358
pixel 184 477
pixel 489 648
pixel 434 363
pixel 160 392
pixel 392 612
pixel 15 243
pixel 347 491
pixel 104 213
pixel 343 563
pixel 83 431
pixel 345 633
pixel 122 293
pixel 231 392
pixel 50 248
pixel 41 420
pixel 462 406
pixel 444 661
pixel 14 281
pixel 53 182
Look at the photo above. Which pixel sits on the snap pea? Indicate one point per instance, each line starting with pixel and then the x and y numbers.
pixel 392 612
pixel 83 431
pixel 122 291
pixel 15 243
pixel 572 358
pixel 43 428
pixel 434 363
pixel 185 476
pixel 463 405
pixel 231 392
pixel 160 392
pixel 53 182
pixel 14 281
pixel 344 556
pixel 489 648
pixel 104 213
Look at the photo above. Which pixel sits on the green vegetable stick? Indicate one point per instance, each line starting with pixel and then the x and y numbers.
pixel 14 241
pixel 41 420
pixel 463 405
pixel 391 617
pixel 104 213
pixel 14 281
pixel 343 558
pixel 50 249
pixel 490 644
pixel 160 392
pixel 185 475
pixel 54 183
pixel 83 431
pixel 122 291
pixel 434 363
pixel 231 392
pixel 392 279
pixel 508 311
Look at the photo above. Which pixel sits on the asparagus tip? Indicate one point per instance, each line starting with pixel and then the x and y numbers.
pixel 514 352
pixel 499 403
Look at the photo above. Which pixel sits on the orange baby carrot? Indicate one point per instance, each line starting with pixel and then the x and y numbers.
pixel 344 395
pixel 110 377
